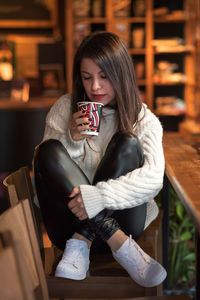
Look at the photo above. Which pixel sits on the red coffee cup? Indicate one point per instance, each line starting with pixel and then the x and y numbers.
pixel 92 111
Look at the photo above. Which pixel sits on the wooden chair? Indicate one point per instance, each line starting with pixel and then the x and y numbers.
pixel 104 270
pixel 19 187
pixel 18 220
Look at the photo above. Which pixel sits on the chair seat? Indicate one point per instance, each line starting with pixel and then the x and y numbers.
pixel 97 287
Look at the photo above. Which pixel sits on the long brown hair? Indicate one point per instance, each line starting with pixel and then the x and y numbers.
pixel 108 51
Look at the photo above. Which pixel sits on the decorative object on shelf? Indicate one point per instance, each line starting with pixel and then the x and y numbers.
pixel 123 30
pixel 6 60
pixel 81 30
pixel 20 90
pixel 169 44
pixel 138 37
pixel 170 105
pixel 97 8
pixel 52 79
pixel 81 8
pixel 122 8
pixel 139 8
pixel 164 73
pixel 161 11
pixel 6 71
pixel 139 69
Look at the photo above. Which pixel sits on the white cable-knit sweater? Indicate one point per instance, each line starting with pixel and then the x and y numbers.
pixel 138 186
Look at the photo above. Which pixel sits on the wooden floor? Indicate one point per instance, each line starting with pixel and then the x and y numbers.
pixel 169 297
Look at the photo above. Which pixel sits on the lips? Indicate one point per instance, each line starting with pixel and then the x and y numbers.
pixel 97 96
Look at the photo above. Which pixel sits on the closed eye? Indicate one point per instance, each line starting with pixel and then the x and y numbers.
pixel 86 78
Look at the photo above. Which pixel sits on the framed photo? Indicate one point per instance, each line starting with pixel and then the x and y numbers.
pixel 52 79
pixel 28 14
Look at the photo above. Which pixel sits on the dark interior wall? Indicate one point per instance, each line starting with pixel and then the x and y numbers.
pixel 21 131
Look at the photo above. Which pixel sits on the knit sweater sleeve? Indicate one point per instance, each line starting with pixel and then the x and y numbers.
pixel 136 187
pixel 56 127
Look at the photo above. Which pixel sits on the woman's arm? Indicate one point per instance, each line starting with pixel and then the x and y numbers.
pixel 138 186
pixel 57 127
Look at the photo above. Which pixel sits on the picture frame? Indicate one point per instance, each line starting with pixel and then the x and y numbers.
pixel 52 79
pixel 28 14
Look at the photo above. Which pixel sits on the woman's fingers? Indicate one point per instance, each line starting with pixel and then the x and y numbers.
pixel 76 205
pixel 80 118
pixel 78 124
pixel 74 192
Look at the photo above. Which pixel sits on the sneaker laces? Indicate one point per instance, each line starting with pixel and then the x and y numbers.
pixel 72 260
pixel 144 256
pixel 140 267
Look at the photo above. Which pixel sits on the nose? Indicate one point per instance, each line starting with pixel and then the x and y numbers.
pixel 95 84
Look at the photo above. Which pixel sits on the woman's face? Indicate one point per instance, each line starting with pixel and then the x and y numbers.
pixel 97 86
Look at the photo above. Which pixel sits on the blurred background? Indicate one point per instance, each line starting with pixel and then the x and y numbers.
pixel 38 39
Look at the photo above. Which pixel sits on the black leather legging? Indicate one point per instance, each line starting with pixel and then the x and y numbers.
pixel 56 174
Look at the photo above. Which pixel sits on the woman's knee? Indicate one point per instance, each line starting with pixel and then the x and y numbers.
pixel 123 154
pixel 60 171
pixel 47 151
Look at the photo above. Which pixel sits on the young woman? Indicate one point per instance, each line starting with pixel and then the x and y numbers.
pixel 93 188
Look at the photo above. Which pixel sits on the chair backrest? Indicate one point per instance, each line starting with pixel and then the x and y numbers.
pixel 22 181
pixel 15 282
pixel 18 220
pixel 19 187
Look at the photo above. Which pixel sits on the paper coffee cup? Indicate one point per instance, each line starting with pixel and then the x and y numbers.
pixel 91 110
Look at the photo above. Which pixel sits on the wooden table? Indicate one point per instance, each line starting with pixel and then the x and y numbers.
pixel 182 155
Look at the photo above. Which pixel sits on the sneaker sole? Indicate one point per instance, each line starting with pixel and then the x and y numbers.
pixel 74 277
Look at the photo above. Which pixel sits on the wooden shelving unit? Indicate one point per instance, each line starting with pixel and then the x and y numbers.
pixel 148 54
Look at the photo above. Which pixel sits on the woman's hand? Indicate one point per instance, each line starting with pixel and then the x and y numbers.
pixel 78 124
pixel 76 205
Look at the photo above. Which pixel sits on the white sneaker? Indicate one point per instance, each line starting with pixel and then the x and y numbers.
pixel 141 267
pixel 75 260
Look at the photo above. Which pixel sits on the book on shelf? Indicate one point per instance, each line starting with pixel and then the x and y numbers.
pixel 168 42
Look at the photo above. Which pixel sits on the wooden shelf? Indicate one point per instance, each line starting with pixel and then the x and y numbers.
pixel 170 19
pixel 141 82
pixel 178 49
pixel 169 83
pixel 91 20
pixel 149 54
pixel 130 19
pixel 172 114
pixel 21 21
pixel 138 51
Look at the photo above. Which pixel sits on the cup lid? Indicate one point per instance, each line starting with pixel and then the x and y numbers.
pixel 89 102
